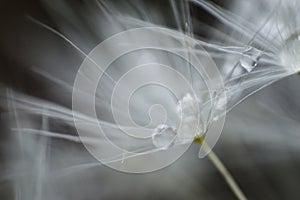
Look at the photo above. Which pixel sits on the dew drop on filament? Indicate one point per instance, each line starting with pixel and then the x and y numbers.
pixel 164 136
pixel 250 58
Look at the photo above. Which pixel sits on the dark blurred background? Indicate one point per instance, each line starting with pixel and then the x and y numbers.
pixel 259 145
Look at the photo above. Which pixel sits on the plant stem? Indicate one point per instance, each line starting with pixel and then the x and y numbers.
pixel 222 169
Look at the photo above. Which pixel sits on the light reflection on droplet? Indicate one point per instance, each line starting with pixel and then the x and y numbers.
pixel 164 136
pixel 250 58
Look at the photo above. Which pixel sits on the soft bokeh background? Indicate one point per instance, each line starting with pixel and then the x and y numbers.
pixel 259 144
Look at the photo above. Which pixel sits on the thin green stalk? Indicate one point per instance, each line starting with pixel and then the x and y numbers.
pixel 221 168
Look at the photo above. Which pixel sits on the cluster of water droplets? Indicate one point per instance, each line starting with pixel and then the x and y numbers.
pixel 165 136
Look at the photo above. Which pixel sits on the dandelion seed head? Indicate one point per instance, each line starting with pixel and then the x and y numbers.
pixel 187 106
pixel 189 112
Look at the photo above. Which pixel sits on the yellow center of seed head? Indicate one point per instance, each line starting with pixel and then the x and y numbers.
pixel 198 139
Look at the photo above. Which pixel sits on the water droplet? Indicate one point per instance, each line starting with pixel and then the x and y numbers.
pixel 164 136
pixel 250 58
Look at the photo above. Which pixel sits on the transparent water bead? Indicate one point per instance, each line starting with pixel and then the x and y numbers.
pixel 250 58
pixel 164 136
